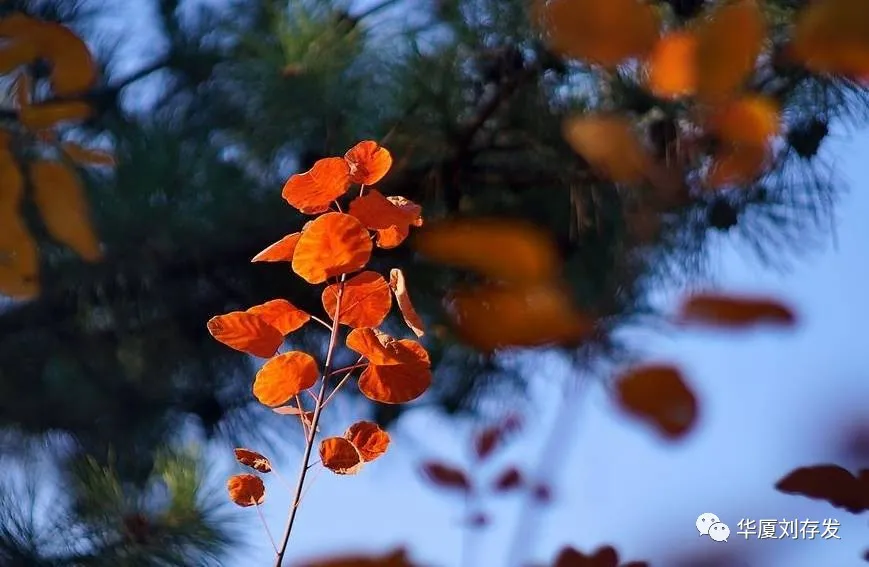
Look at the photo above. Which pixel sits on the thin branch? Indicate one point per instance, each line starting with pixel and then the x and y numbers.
pixel 343 381
pixel 266 526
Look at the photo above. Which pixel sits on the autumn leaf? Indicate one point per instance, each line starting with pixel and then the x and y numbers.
pixel 605 33
pixel 281 314
pixel 493 317
pixel 487 440
pixel 332 244
pixel 246 490
pixel 383 350
pixel 246 332
pixel 657 394
pixel 399 288
pixel 305 417
pixel 736 165
pixel 284 376
pixel 390 218
pixel 509 479
pixel 340 456
pixel 751 120
pixel 396 558
pixel 830 483
pixel 832 37
pixel 61 202
pixel 368 162
pixel 734 312
pixel 42 116
pixel 510 250
pixel 605 556
pixel 365 303
pixel 280 251
pixel 672 66
pixel 85 156
pixel 313 191
pixel 253 460
pixel 446 476
pixel 368 438
pixel 399 370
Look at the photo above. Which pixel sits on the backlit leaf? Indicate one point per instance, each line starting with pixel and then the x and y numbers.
pixel 509 479
pixel 246 490
pixel 750 120
pixel 735 312
pixel 832 37
pixel 383 350
pixel 487 440
pixel 396 383
pixel 368 162
pixel 280 251
pixel 15 53
pixel 672 66
pixel 62 205
pixel 510 250
pixel 830 483
pixel 72 66
pixel 366 300
pixel 390 219
pixel 284 376
pixel 314 190
pixel 86 157
pixel 253 460
pixel 657 394
pixel 737 165
pixel 340 456
pixel 41 116
pixel 399 288
pixel 446 476
pixel 494 316
pixel 332 244
pixel 368 438
pixel 246 332
pixel 281 314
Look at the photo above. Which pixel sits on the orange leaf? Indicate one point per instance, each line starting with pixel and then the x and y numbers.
pixel 340 456
pixel 253 460
pixel 504 249
pixel 306 417
pixel 737 165
pixel 314 190
pixel 391 219
pixel 395 384
pixel 657 394
pixel 368 438
pixel 832 37
pixel 61 202
pixel 830 483
pixel 365 303
pixel 509 479
pixel 493 317
pixel 396 558
pixel 383 350
pixel 15 53
pixel 672 66
pixel 750 120
pixel 399 288
pixel 85 156
pixel 735 312
pixel 280 251
pixel 446 476
pixel 246 490
pixel 284 376
pixel 332 244
pixel 729 42
pixel 246 332
pixel 72 67
pixel 281 314
pixel 606 33
pixel 41 116
pixel 368 162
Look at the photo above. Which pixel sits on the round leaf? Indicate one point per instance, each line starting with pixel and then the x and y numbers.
pixel 284 376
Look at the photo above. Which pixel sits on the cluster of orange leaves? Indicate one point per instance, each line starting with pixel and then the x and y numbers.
pixel 30 150
pixel 709 60
pixel 330 249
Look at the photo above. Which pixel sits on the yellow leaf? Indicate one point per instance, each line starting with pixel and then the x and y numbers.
pixel 61 202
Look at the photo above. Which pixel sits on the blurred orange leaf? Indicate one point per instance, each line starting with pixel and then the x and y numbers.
pixel 253 460
pixel 246 490
pixel 657 394
pixel 330 245
pixel 340 456
pixel 446 476
pixel 672 66
pixel 832 37
pixel 509 479
pixel 729 41
pixel 606 33
pixel 737 165
pixel 750 120
pixel 246 332
pixel 41 116
pixel 736 312
pixel 511 250
pixel 487 440
pixel 284 376
pixel 313 191
pixel 365 303
pixel 85 156
pixel 830 483
pixel 368 438
pixel 396 558
pixel 399 288
pixel 281 314
pixel 61 202
pixel 15 53
pixel 368 162
pixel 390 217
pixel 495 316
pixel 280 251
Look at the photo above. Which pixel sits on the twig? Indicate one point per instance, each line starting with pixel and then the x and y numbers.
pixel 266 526
pixel 343 381
pixel 324 323
pixel 312 432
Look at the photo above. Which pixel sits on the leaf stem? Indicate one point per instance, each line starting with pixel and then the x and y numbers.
pixel 312 432
pixel 266 526
pixel 343 380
